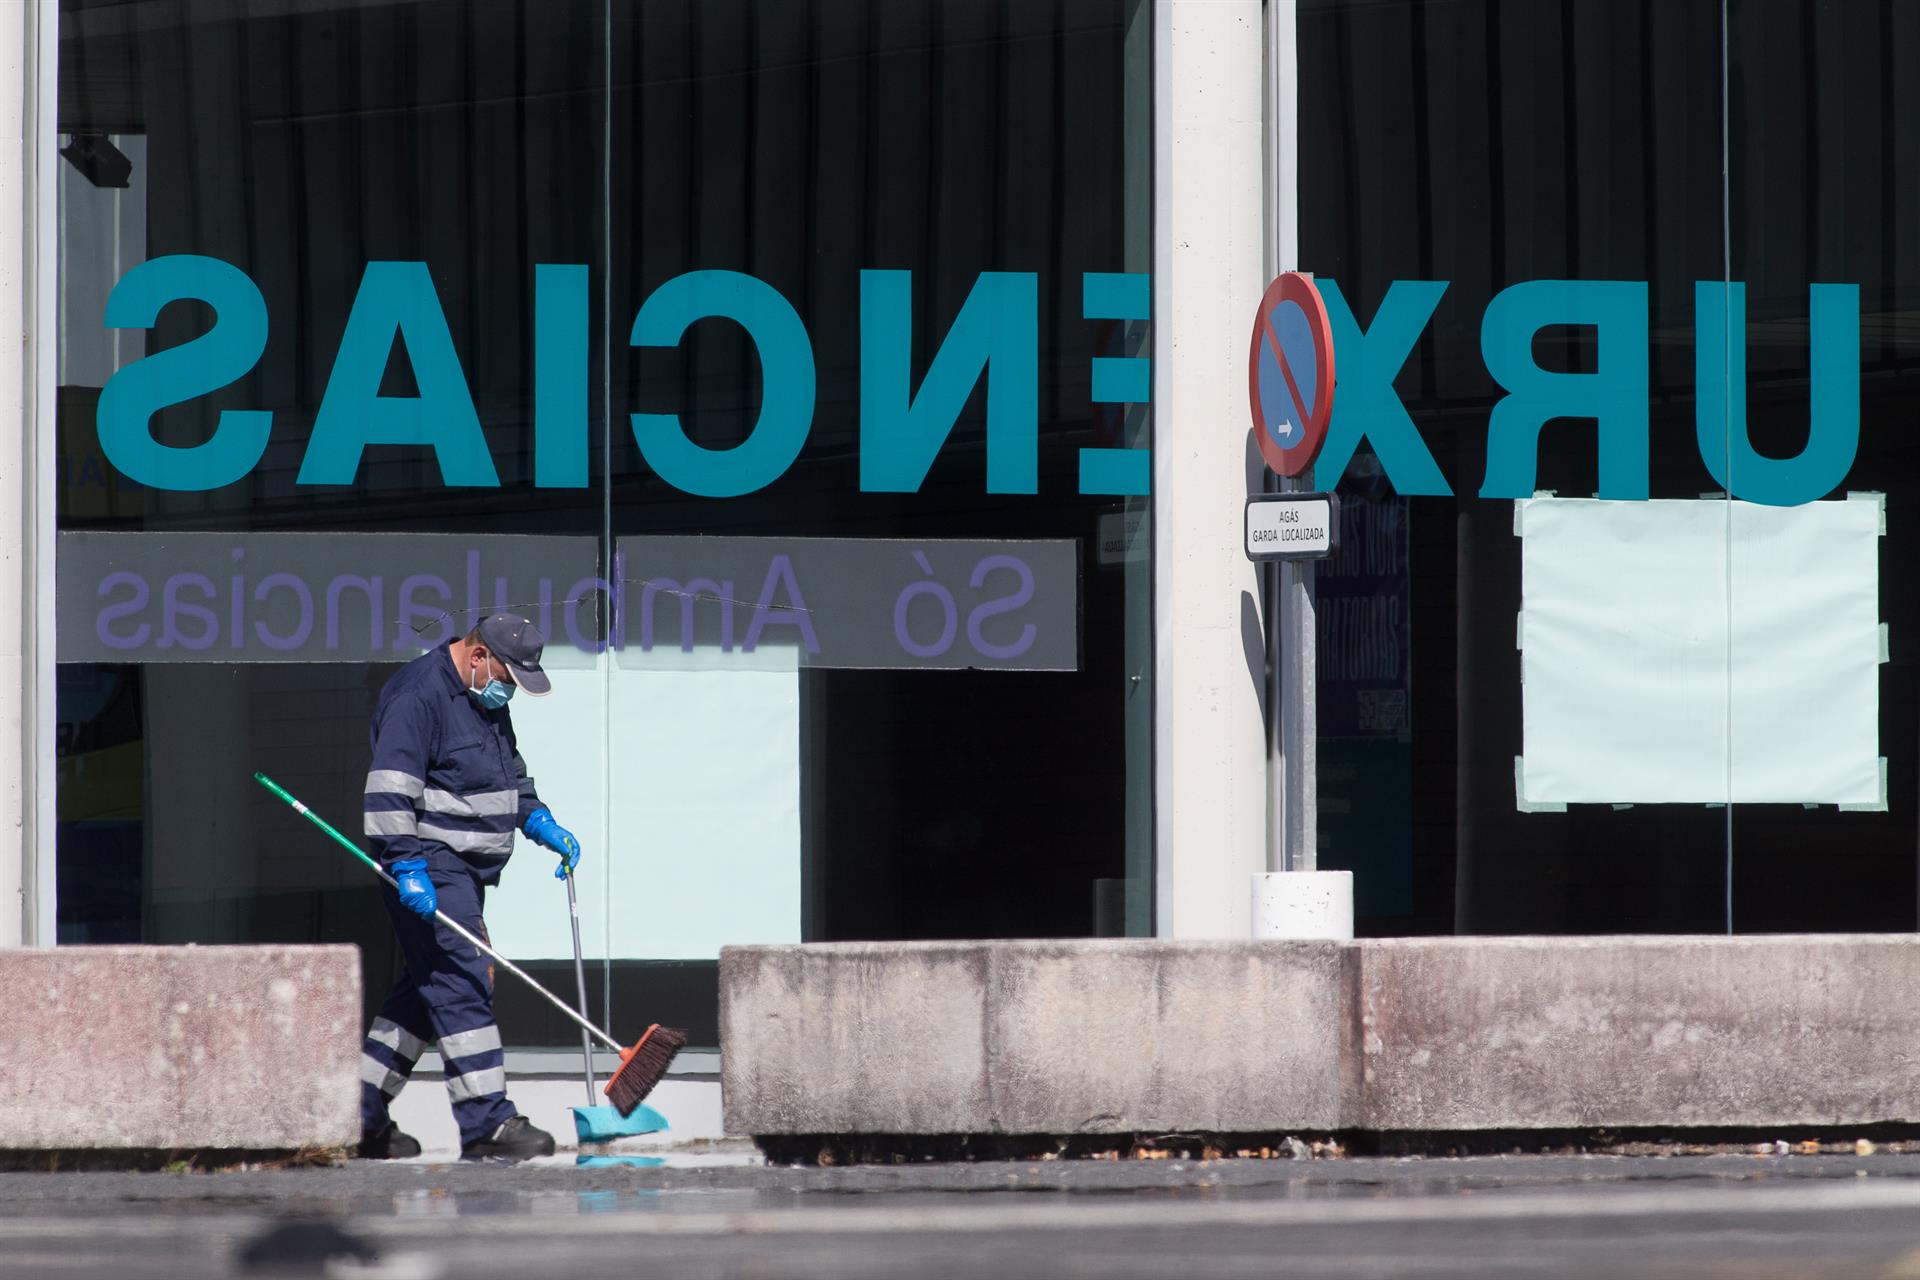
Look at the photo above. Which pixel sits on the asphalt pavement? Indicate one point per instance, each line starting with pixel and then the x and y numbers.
pixel 725 1214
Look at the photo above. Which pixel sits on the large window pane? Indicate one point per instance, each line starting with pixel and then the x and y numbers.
pixel 1491 145
pixel 384 179
pixel 422 235
pixel 1822 167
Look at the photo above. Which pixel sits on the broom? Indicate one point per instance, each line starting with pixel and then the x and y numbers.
pixel 641 1067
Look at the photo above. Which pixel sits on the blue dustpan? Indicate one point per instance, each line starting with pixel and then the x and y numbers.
pixel 618 1162
pixel 598 1123
pixel 604 1124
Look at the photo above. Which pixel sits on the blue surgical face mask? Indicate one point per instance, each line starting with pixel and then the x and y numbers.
pixel 494 696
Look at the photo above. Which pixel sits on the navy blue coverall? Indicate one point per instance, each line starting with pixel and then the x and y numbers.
pixel 448 785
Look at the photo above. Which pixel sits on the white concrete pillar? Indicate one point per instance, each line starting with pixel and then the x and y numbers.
pixel 1209 250
pixel 27 54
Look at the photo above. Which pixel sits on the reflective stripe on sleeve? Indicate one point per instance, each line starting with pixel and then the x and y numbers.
pixel 393 782
pixel 390 822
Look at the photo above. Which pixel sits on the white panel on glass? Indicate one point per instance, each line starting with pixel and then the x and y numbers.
pixel 1628 662
pixel 691 827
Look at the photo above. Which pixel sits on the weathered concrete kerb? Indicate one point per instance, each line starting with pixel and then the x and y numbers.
pixel 1406 1035
pixel 179 1049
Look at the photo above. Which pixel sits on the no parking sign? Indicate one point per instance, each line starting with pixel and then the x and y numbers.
pixel 1290 374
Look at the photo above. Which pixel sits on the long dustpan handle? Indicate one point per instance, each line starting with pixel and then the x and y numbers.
pixel 441 916
pixel 580 985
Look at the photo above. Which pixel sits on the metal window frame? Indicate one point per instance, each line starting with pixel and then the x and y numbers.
pixel 41 281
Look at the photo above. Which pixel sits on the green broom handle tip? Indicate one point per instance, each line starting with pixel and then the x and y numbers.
pixel 321 823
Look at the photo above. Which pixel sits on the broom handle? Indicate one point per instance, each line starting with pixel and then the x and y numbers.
pixel 579 979
pixel 441 916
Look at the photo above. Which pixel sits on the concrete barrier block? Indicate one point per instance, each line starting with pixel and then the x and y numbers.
pixel 1074 1034
pixel 1128 1035
pixel 1080 1036
pixel 1514 1033
pixel 1119 1036
pixel 854 1038
pixel 1275 1047
pixel 176 1048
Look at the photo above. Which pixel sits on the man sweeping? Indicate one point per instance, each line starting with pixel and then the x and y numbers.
pixel 444 795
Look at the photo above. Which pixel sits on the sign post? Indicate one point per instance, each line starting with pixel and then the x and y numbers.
pixel 1290 385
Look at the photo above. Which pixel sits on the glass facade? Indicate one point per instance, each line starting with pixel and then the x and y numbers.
pixel 783 362
pixel 1636 255
pixel 786 363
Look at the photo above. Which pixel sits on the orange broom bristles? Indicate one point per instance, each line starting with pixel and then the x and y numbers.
pixel 643 1066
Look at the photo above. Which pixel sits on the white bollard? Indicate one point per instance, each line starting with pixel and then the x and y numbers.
pixel 1303 904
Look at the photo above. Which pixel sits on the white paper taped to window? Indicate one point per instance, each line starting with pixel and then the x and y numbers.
pixel 1625 670
pixel 696 842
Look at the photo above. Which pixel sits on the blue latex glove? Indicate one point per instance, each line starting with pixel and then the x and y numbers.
pixel 416 889
pixel 542 829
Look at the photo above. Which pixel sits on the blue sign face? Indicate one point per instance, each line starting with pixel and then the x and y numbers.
pixel 1289 374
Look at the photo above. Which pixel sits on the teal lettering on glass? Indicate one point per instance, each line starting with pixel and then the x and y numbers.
pixel 1367 407
pixel 560 314
pixel 786 384
pixel 1117 380
pixel 1615 394
pixel 217 357
pixel 996 335
pixel 397 300
pixel 1833 431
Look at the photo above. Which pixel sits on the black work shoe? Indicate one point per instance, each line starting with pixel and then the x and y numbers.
pixel 387 1143
pixel 517 1139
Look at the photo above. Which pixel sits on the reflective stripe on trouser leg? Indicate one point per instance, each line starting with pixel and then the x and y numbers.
pixel 403 1042
pixel 469 1044
pixel 456 992
pixel 388 1054
pixel 476 1066
pixel 477 1084
pixel 388 1080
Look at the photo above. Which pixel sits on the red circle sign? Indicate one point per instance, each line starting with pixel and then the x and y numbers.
pixel 1290 374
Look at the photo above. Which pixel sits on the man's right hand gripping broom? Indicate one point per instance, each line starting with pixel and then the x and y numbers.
pixel 416 887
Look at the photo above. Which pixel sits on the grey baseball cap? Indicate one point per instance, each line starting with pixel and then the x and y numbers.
pixel 518 644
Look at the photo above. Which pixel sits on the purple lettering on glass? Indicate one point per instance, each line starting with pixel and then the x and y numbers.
pixel 617 633
pixel 792 614
pixel 237 605
pixel 285 582
pixel 416 618
pixel 473 589
pixel 374 589
pixel 688 594
pixel 476 608
pixel 1000 605
pixel 546 606
pixel 121 609
pixel 903 633
pixel 577 595
pixel 173 609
